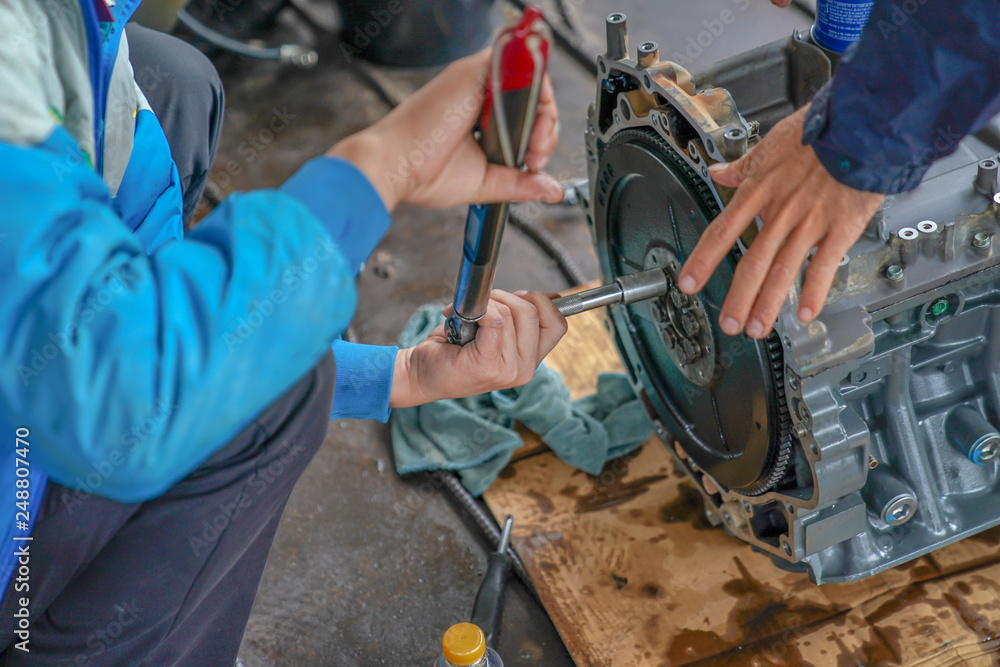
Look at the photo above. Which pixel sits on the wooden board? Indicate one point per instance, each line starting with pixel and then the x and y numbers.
pixel 633 574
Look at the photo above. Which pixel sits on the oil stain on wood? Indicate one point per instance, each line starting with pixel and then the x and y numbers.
pixel 633 573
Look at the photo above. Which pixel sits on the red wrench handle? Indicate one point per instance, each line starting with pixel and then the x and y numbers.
pixel 520 57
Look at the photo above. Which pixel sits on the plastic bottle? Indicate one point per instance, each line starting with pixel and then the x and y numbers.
pixel 464 645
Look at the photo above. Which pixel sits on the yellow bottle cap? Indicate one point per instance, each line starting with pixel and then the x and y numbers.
pixel 463 644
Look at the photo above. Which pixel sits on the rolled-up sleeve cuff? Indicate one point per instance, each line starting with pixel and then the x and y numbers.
pixel 364 380
pixel 347 204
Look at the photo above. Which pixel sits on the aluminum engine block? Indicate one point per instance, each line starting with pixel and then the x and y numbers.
pixel 881 413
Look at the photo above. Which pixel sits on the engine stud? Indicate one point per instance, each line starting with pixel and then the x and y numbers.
pixel 889 497
pixel 970 433
pixel 649 54
pixel 894 273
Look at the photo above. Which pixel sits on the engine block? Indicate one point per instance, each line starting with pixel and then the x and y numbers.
pixel 842 447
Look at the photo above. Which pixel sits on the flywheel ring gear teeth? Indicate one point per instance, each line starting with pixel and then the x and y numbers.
pixel 776 467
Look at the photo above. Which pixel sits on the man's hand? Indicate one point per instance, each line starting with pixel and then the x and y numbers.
pixel 801 207
pixel 423 152
pixel 514 336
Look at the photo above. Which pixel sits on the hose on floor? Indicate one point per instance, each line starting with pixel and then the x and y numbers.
pixel 567 38
pixel 487 525
pixel 295 54
pixel 537 232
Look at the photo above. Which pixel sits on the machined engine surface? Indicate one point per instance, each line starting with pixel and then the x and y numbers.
pixel 846 446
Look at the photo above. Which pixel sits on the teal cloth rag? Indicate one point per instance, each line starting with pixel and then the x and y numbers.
pixel 475 437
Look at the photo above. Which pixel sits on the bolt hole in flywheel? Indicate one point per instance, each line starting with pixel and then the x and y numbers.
pixel 721 397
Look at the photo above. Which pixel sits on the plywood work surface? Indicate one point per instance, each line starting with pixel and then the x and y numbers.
pixel 633 574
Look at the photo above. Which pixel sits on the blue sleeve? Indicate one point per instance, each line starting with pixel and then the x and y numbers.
pixel 153 361
pixel 923 75
pixel 364 380
pixel 335 191
pixel 364 372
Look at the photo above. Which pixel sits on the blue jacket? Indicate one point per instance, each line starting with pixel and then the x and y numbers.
pixel 924 74
pixel 130 354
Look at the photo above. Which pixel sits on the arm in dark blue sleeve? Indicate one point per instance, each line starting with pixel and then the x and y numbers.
pixel 923 75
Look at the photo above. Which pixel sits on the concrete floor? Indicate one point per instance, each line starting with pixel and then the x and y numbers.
pixel 368 568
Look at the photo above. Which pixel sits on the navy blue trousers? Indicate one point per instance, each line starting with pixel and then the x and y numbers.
pixel 170 581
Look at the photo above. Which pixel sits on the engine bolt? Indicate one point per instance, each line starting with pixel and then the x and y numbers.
pixel 900 511
pixel 987 450
pixel 894 272
pixel 692 350
pixel 981 240
pixel 690 323
pixel 939 307
pixel 973 435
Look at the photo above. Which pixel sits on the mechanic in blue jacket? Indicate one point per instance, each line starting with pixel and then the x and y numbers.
pixel 161 393
pixel 923 75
